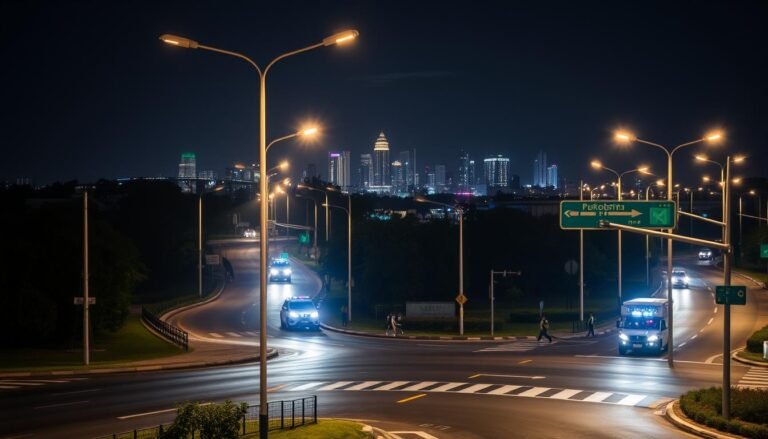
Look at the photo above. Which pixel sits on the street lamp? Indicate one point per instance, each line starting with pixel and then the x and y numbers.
pixel 200 240
pixel 461 298
pixel 314 242
pixel 626 137
pixel 327 215
pixel 640 169
pixel 659 183
pixel 339 38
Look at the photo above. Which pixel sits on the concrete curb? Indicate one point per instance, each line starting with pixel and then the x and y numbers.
pixel 172 312
pixel 748 361
pixel 753 280
pixel 149 368
pixel 675 415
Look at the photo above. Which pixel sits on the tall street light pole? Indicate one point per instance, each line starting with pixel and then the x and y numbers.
pixel 461 296
pixel 327 213
pixel 263 239
pixel 641 169
pixel 86 282
pixel 659 183
pixel 626 137
pixel 314 242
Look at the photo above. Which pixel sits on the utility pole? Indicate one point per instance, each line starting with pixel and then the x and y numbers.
pixel 581 259
pixel 86 317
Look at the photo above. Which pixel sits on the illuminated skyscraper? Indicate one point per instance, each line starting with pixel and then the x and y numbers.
pixel 496 173
pixel 552 176
pixel 463 182
pixel 398 177
pixel 338 169
pixel 366 171
pixel 540 169
pixel 187 172
pixel 381 163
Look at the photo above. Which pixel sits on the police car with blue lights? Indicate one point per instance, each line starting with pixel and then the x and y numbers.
pixel 280 270
pixel 299 312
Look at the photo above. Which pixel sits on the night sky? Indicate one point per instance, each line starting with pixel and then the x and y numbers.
pixel 88 90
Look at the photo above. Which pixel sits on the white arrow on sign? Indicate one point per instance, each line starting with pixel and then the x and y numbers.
pixel 572 213
pixel 633 213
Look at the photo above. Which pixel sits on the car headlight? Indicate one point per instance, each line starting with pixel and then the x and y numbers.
pixel 287 272
pixel 653 338
pixel 686 279
pixel 273 271
pixel 623 337
pixel 293 315
pixel 313 314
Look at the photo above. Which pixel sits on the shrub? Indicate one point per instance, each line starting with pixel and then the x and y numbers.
pixel 755 342
pixel 749 410
pixel 212 421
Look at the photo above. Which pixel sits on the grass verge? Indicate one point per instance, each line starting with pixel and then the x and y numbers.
pixel 324 429
pixel 749 410
pixel 752 356
pixel 132 342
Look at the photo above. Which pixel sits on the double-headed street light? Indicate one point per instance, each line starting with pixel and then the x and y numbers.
pixel 339 38
pixel 627 138
pixel 640 169
pixel 461 298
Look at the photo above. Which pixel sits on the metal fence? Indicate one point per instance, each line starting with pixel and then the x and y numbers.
pixel 170 332
pixel 283 415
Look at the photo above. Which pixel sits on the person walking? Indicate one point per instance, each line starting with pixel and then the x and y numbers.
pixel 544 329
pixel 591 325
pixel 344 316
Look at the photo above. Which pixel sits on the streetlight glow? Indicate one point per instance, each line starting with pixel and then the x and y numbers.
pixel 340 38
pixel 711 137
pixel 175 40
pixel 596 164
pixel 309 131
pixel 739 159
pixel 624 136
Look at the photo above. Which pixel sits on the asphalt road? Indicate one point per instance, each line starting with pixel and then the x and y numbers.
pixel 461 389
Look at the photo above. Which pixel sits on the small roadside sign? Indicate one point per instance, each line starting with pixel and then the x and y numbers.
pixel 731 295
pixel 764 251
pixel 284 255
pixel 461 299
pixel 212 260
pixel 80 300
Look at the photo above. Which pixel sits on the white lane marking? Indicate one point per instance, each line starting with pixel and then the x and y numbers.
pixel 214 334
pixel 335 385
pixel 565 394
pixel 534 392
pixel 598 396
pixel 77 391
pixel 533 377
pixel 234 334
pixel 419 386
pixel 420 434
pixel 252 334
pixel 392 385
pixel 363 385
pixel 631 400
pixel 309 385
pixel 61 404
pixel 8 387
pixel 446 387
pixel 503 389
pixel 475 388
pixel 682 344
pixel 715 310
pixel 710 320
pixel 48 381
pixel 694 336
pixel 153 413
pixel 22 383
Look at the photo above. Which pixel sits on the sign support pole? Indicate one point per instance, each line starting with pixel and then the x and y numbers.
pixel 581 259
pixel 86 317
pixel 727 260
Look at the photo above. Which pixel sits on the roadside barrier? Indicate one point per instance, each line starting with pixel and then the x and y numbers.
pixel 169 332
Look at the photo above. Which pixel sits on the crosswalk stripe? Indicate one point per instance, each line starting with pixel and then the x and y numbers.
pixel 446 387
pixel 214 334
pixel 252 334
pixel 534 391
pixel 565 394
pixel 475 388
pixel 336 385
pixel 503 389
pixel 363 385
pixel 392 385
pixel 631 399
pixel 234 334
pixel 598 396
pixel 755 378
pixel 419 386
pixel 308 386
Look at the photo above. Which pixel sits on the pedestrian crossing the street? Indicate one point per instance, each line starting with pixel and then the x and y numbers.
pixel 517 346
pixel 13 384
pixel 615 398
pixel 756 378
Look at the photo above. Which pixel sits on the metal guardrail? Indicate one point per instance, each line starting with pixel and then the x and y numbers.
pixel 283 415
pixel 170 332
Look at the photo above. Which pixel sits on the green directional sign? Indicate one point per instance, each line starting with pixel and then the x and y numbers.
pixel 643 214
pixel 764 251
pixel 304 238
pixel 731 295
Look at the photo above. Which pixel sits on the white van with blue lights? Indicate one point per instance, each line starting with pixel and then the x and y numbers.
pixel 643 326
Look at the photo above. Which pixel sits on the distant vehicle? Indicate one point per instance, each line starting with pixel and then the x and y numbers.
pixel 643 326
pixel 249 233
pixel 706 254
pixel 680 278
pixel 299 312
pixel 280 270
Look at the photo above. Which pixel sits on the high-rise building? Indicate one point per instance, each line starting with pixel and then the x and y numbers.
pixel 496 173
pixel 187 172
pixel 381 161
pixel 398 177
pixel 552 176
pixel 405 162
pixel 365 178
pixel 338 169
pixel 540 169
pixel 440 178
pixel 471 173
pixel 463 182
pixel 310 172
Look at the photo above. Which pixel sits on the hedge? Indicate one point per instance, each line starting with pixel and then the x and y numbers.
pixel 749 410
pixel 755 342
